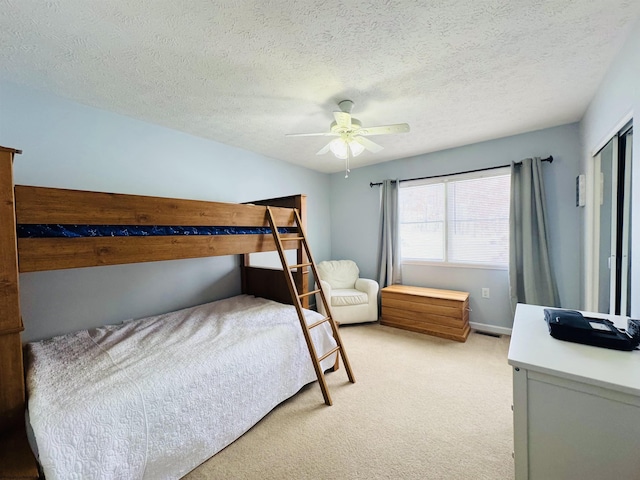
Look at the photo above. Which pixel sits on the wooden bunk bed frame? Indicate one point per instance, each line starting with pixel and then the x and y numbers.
pixel 38 205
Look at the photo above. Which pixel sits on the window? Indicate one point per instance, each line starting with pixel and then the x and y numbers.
pixel 461 219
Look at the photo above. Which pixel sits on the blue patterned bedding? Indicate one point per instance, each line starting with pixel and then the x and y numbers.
pixel 77 231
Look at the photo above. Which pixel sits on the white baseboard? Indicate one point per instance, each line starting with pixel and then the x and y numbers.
pixel 481 327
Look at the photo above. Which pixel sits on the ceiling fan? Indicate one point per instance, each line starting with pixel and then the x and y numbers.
pixel 351 140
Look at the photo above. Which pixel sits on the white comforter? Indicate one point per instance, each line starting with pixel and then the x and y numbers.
pixel 154 398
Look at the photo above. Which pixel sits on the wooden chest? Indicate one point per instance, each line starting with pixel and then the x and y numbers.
pixel 443 313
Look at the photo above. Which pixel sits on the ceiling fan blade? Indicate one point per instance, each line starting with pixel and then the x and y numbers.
pixel 343 119
pixel 324 149
pixel 323 134
pixel 384 129
pixel 368 144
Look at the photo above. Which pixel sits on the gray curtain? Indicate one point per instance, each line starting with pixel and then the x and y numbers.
pixel 530 274
pixel 389 267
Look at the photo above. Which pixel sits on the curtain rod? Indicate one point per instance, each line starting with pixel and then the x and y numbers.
pixel 371 184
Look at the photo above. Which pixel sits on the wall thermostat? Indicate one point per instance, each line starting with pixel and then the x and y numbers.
pixel 580 190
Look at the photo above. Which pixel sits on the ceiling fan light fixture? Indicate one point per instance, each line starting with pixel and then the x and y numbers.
pixel 356 148
pixel 339 148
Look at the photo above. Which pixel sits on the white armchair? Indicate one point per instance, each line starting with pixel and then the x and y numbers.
pixel 351 299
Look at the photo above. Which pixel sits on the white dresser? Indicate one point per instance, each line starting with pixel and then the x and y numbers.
pixel 576 408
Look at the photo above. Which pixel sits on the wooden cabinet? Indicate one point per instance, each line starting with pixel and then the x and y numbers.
pixel 16 459
pixel 576 408
pixel 443 313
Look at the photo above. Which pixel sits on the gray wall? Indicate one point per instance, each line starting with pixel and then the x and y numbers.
pixel 618 97
pixel 68 145
pixel 355 217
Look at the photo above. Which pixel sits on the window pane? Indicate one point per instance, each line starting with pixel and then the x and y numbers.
pixel 422 218
pixel 423 241
pixel 478 222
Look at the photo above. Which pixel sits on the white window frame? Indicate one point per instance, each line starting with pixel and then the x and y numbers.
pixel 494 172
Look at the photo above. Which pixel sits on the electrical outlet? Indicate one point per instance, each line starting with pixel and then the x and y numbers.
pixel 485 293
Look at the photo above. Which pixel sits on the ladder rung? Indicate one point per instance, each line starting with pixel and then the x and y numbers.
pixel 302 295
pixel 291 239
pixel 300 265
pixel 319 322
pixel 333 350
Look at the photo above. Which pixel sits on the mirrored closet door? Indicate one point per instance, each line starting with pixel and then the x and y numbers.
pixel 612 222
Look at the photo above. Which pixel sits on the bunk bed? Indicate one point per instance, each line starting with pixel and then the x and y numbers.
pixel 48 229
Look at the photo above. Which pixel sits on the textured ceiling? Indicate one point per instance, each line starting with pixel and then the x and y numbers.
pixel 245 73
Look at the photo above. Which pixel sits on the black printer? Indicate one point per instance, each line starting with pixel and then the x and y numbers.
pixel 572 326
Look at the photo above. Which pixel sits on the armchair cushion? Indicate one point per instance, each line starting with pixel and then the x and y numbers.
pixel 339 273
pixel 348 296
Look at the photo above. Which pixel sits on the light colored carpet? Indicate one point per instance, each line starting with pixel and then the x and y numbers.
pixel 421 408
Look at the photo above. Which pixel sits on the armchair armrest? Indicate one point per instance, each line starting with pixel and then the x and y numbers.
pixel 326 288
pixel 370 287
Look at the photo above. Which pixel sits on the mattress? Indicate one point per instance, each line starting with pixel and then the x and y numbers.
pixel 154 398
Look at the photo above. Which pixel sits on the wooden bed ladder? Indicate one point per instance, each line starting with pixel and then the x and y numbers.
pixel 296 297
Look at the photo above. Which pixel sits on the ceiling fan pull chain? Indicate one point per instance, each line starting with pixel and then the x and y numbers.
pixel 346 167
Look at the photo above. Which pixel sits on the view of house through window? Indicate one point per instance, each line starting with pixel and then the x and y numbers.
pixel 458 219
